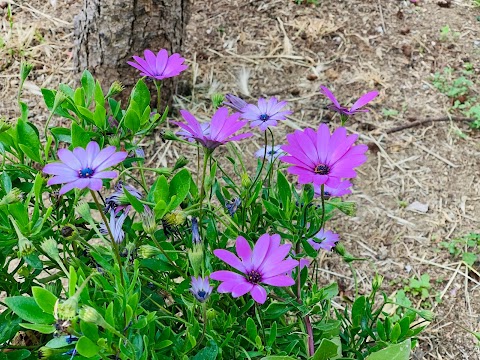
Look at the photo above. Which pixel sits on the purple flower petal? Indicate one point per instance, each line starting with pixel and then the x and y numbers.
pixel 230 259
pixel 259 294
pixel 363 100
pixel 69 159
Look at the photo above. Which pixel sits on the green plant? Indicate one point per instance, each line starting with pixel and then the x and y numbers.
pixel 467 247
pixel 419 286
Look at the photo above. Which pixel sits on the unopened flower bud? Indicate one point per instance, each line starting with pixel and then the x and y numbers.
pixel 196 257
pixel 116 88
pixel 24 271
pixel 246 181
pixel 46 352
pixel 25 246
pixel 180 163
pixel 175 218
pixel 50 247
pixel 60 97
pixel 148 221
pixel 211 314
pixel 347 207
pixel 67 309
pixel 4 126
pixel 83 210
pixel 340 249
pixel 169 135
pixel 13 196
pixel 90 315
pixel 148 251
pixel 25 69
pixel 115 140
pixel 377 282
pixel 196 239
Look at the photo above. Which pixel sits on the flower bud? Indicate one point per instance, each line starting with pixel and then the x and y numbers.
pixel 50 247
pixel 13 196
pixel 23 271
pixel 46 352
pixel 211 314
pixel 25 246
pixel 115 140
pixel 83 209
pixel 180 163
pixel 67 309
pixel 377 282
pixel 116 88
pixel 217 100
pixel 246 181
pixel 195 256
pixel 70 233
pixel 148 221
pixel 60 97
pixel 148 251
pixel 347 207
pixel 4 126
pixel 90 315
pixel 340 249
pixel 169 135
pixel 175 218
pixel 25 69
pixel 196 239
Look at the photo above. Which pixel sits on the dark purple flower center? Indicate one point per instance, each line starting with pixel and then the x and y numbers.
pixel 201 294
pixel 85 173
pixel 254 277
pixel 322 169
pixel 264 117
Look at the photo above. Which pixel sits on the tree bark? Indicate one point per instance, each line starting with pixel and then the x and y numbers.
pixel 109 32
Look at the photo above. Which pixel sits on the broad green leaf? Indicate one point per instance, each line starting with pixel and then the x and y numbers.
pixel 209 352
pixel 179 186
pixel 62 134
pixel 132 120
pixel 275 310
pixel 137 205
pixel 87 347
pixel 28 140
pixel 6 182
pixel 393 352
pixel 141 95
pixel 99 117
pixel 17 354
pixel 58 342
pixel 98 95
pixel 41 328
pixel 80 137
pixel 273 334
pixel 44 299
pixel 49 98
pixel 159 190
pixel 88 85
pixel 284 190
pixel 395 334
pixel 251 329
pixel 27 309
pixel 327 350
pixel 278 357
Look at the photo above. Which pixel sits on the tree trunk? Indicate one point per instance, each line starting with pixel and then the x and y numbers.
pixel 109 32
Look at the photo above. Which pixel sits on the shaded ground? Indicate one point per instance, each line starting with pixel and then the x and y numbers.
pixel 288 50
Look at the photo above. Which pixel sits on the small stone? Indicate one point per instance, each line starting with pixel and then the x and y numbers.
pixel 3 4
pixel 476 43
pixel 417 206
pixel 312 77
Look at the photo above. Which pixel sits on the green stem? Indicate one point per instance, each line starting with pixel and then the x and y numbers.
pixel 114 244
pixel 168 258
pixel 322 193
pixel 355 280
pixel 206 156
pixel 158 86
pixel 263 162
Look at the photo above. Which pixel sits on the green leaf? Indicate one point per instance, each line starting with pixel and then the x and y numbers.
pixel 80 137
pixel 251 329
pixel 327 350
pixel 278 357
pixel 44 299
pixel 28 140
pixel 393 352
pixel 18 354
pixel 309 249
pixel 62 134
pixel 132 119
pixel 88 85
pixel 41 328
pixel 273 334
pixel 381 330
pixel 27 309
pixel 98 94
pixel 141 95
pixel 284 190
pixel 99 117
pixel 137 205
pixel 179 186
pixel 469 258
pixel 395 334
pixel 159 190
pixel 58 342
pixel 275 310
pixel 87 347
pixel 209 352
pixel 6 182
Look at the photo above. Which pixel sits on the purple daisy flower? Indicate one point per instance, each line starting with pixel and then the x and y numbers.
pixel 343 188
pixel 325 240
pixel 235 102
pixel 215 133
pixel 115 223
pixel 320 158
pixel 272 152
pixel 342 110
pixel 160 66
pixel 83 168
pixel 201 288
pixel 118 200
pixel 266 113
pixel 265 264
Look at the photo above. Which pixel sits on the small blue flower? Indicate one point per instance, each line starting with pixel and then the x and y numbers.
pixel 195 232
pixel 233 205
pixel 201 288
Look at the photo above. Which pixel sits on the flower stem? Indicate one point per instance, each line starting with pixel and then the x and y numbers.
pixel 114 244
pixel 263 162
pixel 322 193
pixel 168 258
pixel 206 156
pixel 158 86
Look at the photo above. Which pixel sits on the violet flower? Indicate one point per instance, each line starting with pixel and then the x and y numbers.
pixel 320 158
pixel 266 264
pixel 118 200
pixel 235 103
pixel 343 188
pixel 201 288
pixel 217 132
pixel 266 113
pixel 115 223
pixel 84 168
pixel 232 205
pixel 160 66
pixel 196 239
pixel 342 110
pixel 272 153
pixel 325 240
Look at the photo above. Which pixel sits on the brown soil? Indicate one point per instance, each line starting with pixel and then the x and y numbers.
pixel 352 46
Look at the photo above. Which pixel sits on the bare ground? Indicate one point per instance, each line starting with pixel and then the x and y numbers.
pixel 352 46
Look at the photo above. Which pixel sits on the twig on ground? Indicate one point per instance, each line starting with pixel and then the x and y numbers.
pixel 426 121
